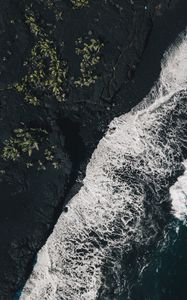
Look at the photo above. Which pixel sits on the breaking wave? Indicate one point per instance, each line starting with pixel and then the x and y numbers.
pixel 178 194
pixel 124 197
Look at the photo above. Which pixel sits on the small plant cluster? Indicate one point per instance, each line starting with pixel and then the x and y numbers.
pixel 90 53
pixel 53 5
pixel 80 3
pixel 25 144
pixel 46 73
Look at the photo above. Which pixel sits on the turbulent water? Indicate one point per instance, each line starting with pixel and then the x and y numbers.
pixel 179 197
pixel 122 205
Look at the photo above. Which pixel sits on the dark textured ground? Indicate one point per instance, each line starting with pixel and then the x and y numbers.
pixel 134 40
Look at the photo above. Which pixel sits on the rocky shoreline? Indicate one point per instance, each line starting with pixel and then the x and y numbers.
pixel 32 200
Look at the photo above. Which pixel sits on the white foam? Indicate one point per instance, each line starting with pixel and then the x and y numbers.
pixel 179 197
pixel 141 149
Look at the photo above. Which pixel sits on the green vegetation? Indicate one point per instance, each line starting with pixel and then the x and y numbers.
pixel 31 21
pixel 52 5
pixel 24 146
pixel 47 77
pixel 80 3
pixel 90 57
pixel 24 141
pixel 46 73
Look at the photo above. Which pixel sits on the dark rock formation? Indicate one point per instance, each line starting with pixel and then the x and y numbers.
pixel 115 80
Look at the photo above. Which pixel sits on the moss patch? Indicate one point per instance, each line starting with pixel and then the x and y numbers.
pixel 80 3
pixel 25 145
pixel 46 72
pixel 89 51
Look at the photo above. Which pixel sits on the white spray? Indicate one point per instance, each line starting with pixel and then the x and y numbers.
pixel 141 148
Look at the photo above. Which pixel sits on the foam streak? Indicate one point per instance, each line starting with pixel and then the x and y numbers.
pixel 141 150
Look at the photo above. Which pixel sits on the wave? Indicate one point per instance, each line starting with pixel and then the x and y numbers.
pixel 120 205
pixel 178 194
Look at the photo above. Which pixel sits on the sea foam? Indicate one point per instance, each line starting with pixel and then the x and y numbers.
pixel 139 155
pixel 178 194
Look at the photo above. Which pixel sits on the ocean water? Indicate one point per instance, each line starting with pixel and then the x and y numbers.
pixel 164 277
pixel 112 241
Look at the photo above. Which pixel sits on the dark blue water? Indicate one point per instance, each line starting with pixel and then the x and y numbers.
pixel 166 276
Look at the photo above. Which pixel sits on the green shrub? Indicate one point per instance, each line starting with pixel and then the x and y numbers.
pixel 89 51
pixel 24 141
pixel 25 144
pixel 46 73
pixel 80 3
